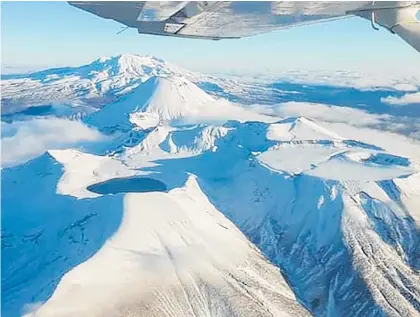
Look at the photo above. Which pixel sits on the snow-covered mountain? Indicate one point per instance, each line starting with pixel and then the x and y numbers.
pixel 166 99
pixel 200 207
pixel 96 83
pixel 76 92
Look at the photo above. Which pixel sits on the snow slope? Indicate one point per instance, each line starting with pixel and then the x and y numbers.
pixel 169 257
pixel 44 233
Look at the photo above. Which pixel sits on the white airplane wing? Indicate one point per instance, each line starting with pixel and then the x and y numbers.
pixel 236 19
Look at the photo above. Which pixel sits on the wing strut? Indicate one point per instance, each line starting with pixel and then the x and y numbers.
pixel 398 17
pixel 372 19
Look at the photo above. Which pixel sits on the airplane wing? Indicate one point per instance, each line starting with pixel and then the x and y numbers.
pixel 236 19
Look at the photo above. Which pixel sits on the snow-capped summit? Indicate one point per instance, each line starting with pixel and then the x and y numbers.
pixel 124 63
pixel 299 129
pixel 166 99
pixel 131 59
pixel 130 67
pixel 176 97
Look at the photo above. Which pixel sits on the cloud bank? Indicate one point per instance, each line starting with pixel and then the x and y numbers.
pixel 24 140
pixel 405 125
pixel 406 99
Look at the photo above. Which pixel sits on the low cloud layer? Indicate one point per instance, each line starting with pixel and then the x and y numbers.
pixel 330 113
pixel 406 99
pixel 348 79
pixel 404 125
pixel 24 140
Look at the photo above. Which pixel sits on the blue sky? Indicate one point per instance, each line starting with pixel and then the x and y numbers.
pixel 46 34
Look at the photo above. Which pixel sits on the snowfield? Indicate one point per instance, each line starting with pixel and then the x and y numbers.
pixel 195 205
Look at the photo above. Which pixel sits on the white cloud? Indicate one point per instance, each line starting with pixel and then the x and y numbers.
pixel 390 141
pixel 330 113
pixel 406 99
pixel 343 78
pixel 24 140
pixel 358 118
pixel 395 134
pixel 405 87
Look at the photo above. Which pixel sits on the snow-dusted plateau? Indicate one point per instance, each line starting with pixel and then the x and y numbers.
pixel 133 187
